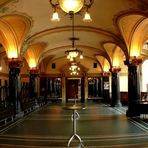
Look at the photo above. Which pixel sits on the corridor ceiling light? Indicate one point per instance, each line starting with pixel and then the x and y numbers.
pixel 74 73
pixel 73 53
pixel 72 7
pixel 74 68
pixel 68 6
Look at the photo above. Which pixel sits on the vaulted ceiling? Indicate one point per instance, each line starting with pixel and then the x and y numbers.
pixel 119 30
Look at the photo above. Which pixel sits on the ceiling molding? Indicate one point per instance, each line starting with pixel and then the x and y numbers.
pixel 46 53
pixel 69 46
pixel 106 56
pixel 4 2
pixel 122 14
pixel 68 28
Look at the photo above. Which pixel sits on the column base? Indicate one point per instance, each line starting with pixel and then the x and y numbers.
pixel 133 111
pixel 116 104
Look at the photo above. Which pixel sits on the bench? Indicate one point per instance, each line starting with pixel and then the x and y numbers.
pixel 41 101
pixel 6 115
pixel 27 106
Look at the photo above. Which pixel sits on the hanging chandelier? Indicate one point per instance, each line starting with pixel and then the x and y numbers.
pixel 69 6
pixel 73 52
pixel 74 69
pixel 72 7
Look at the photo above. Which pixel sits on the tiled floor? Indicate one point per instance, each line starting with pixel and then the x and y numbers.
pixel 99 126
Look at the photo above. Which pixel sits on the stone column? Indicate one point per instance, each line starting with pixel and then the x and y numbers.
pixel 15 84
pixel 33 84
pixel 133 86
pixel 115 102
pixel 106 92
pixel 44 87
pixel 100 87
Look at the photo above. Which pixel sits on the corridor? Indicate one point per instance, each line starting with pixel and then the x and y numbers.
pixel 99 126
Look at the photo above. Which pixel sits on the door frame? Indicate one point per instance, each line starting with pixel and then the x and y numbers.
pixel 79 85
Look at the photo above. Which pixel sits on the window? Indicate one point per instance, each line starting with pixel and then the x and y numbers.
pixel 53 66
pixel 145 76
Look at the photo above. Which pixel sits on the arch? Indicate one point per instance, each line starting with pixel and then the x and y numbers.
pixel 13 30
pixel 138 38
pixel 133 26
pixel 33 53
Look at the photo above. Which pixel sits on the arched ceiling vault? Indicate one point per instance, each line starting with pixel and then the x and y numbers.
pixel 133 26
pixel 13 30
pixel 116 28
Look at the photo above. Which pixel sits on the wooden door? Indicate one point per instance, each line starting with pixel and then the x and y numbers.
pixel 71 88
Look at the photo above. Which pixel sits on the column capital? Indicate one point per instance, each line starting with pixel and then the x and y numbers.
pixel 115 69
pixel 14 62
pixel 34 71
pixel 133 61
pixel 105 73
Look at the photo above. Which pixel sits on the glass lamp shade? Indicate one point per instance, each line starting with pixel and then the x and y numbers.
pixel 73 54
pixel 81 56
pixel 55 17
pixel 71 5
pixel 87 17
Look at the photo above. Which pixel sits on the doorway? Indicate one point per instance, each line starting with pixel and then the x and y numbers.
pixel 73 89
